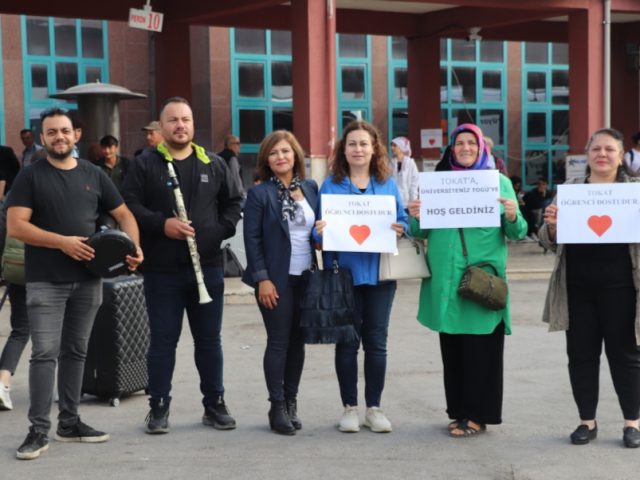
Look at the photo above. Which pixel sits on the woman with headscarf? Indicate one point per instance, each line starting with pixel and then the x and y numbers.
pixel 471 336
pixel 404 169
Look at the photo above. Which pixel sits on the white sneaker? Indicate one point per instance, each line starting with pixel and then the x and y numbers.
pixel 376 420
pixel 5 398
pixel 349 423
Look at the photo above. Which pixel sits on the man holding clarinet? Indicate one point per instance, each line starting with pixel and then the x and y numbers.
pixel 186 204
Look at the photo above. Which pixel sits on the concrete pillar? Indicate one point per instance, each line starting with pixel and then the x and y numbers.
pixel 173 61
pixel 586 59
pixel 313 26
pixel 423 55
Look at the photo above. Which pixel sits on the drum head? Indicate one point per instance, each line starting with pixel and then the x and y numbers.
pixel 111 246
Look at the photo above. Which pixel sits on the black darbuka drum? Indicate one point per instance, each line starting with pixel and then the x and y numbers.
pixel 111 247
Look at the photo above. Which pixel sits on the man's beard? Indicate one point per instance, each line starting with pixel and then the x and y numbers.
pixel 51 153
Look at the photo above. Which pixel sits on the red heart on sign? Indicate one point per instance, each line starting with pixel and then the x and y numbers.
pixel 432 141
pixel 359 233
pixel 599 224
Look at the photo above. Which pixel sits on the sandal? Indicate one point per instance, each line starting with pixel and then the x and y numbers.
pixel 454 424
pixel 467 430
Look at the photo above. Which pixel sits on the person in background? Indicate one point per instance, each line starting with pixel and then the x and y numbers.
pixel 361 167
pixel 230 154
pixel 152 135
pixel 279 215
pixel 631 158
pixel 516 182
pixel 404 169
pixel 593 295
pixel 535 202
pixel 111 162
pixel 471 336
pixel 30 147
pixel 9 168
pixel 495 161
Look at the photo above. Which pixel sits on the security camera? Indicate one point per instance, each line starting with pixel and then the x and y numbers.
pixel 472 34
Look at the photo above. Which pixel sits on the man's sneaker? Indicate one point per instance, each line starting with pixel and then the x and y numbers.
pixel 158 419
pixel 33 445
pixel 350 422
pixel 80 432
pixel 218 416
pixel 376 420
pixel 5 398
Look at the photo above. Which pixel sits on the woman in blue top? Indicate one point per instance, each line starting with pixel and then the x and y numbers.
pixel 361 167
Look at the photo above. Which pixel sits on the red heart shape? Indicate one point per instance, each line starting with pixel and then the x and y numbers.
pixel 432 141
pixel 359 233
pixel 599 224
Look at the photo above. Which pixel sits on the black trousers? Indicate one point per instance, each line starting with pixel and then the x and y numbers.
pixel 597 314
pixel 284 355
pixel 473 375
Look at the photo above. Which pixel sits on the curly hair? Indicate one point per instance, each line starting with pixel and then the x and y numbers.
pixel 263 171
pixel 378 168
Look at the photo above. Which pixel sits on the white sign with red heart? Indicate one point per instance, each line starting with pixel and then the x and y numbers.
pixel 431 138
pixel 358 223
pixel 599 213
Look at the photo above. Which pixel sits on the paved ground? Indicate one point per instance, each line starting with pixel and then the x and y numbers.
pixel 531 444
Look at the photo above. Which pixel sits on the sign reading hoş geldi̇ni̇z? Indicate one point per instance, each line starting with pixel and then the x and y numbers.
pixel 599 213
pixel 358 223
pixel 459 199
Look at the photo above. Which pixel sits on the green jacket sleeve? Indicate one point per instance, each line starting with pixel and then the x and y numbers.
pixel 513 230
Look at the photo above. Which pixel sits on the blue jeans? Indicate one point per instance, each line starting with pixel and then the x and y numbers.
pixel 373 308
pixel 168 295
pixel 61 317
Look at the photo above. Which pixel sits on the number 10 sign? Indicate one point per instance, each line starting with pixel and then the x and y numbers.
pixel 145 19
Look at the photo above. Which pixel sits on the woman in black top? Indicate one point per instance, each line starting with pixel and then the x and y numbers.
pixel 593 293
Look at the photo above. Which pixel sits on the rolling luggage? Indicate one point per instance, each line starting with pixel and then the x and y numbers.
pixel 116 363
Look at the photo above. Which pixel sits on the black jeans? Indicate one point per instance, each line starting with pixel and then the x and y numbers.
pixel 19 335
pixel 473 375
pixel 284 355
pixel 597 315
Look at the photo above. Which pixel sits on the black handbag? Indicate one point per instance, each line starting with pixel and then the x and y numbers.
pixel 480 286
pixel 327 307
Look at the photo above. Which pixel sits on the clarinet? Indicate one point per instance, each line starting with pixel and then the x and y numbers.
pixel 191 241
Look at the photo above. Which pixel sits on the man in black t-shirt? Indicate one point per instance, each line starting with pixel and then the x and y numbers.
pixel 53 208
pixel 170 283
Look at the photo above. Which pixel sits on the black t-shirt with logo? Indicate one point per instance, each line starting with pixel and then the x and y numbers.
pixel 66 202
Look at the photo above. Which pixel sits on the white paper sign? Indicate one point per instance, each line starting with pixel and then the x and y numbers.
pixel 431 138
pixel 599 213
pixel 359 223
pixel 459 199
pixel 145 19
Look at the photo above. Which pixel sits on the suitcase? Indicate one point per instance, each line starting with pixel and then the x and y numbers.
pixel 116 363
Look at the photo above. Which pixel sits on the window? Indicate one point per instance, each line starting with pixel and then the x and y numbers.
pixel 472 88
pixel 353 65
pixel 545 112
pixel 60 53
pixel 261 86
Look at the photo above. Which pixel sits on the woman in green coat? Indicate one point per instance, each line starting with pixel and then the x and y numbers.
pixel 471 336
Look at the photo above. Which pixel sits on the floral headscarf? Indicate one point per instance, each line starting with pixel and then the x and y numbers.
pixel 483 155
pixel 403 144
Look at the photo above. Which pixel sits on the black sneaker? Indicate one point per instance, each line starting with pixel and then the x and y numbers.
pixel 583 435
pixel 33 445
pixel 158 419
pixel 218 416
pixel 80 432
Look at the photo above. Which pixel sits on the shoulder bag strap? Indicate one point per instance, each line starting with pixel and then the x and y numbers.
pixel 464 246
